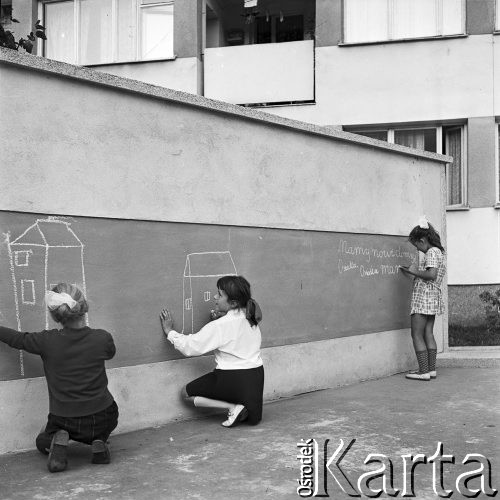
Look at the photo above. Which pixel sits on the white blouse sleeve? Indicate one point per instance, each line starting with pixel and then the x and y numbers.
pixel 206 340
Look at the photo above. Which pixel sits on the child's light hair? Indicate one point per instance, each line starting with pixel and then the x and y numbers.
pixel 64 313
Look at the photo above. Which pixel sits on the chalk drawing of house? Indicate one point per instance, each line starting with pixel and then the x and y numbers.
pixel 47 253
pixel 200 276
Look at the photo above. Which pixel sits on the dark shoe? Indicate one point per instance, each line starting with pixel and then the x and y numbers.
pixel 238 414
pixel 43 442
pixel 58 448
pixel 100 452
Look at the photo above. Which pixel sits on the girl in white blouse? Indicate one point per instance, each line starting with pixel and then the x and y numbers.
pixel 237 383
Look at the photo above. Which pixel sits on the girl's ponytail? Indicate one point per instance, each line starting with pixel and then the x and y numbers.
pixel 253 312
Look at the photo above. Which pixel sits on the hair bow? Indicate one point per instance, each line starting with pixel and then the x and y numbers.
pixel 423 222
pixel 54 300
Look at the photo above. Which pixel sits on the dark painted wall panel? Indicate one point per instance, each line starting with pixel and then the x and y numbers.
pixel 328 22
pixel 481 162
pixel 311 285
pixel 480 17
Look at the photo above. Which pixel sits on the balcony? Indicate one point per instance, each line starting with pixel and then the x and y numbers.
pixel 262 54
pixel 269 73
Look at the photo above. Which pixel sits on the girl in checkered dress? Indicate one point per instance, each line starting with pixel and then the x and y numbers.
pixel 427 298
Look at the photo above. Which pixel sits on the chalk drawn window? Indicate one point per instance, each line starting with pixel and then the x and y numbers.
pixel 206 296
pixel 188 304
pixel 22 258
pixel 28 291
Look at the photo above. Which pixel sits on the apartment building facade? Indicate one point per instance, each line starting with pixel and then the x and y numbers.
pixel 419 73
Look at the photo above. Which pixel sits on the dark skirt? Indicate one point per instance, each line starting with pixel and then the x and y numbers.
pixel 83 429
pixel 244 387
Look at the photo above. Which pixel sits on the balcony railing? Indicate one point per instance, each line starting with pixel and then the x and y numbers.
pixel 261 74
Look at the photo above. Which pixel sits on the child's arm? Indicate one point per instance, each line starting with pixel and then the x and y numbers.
pixel 206 340
pixel 110 347
pixel 429 274
pixel 30 342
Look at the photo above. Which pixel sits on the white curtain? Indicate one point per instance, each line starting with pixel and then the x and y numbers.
pixel 157 31
pixel 59 19
pixel 127 30
pixel 415 18
pixel 454 172
pixel 453 17
pixel 375 20
pixel 410 138
pixel 365 20
pixel 96 29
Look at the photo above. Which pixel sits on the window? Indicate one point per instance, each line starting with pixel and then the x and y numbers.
pixel 498 163
pixel 276 29
pixel 28 292
pixel 380 20
pixel 449 140
pixel 108 31
pixel 22 258
pixel 454 145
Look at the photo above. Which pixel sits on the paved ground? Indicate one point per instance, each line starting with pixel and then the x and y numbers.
pixel 200 459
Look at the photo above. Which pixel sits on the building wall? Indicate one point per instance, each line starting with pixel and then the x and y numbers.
pixel 132 151
pixel 400 82
pixel 426 81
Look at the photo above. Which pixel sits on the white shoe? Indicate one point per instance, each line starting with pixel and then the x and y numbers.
pixel 237 414
pixel 432 373
pixel 418 376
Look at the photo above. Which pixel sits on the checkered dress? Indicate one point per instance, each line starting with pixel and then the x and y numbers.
pixel 427 297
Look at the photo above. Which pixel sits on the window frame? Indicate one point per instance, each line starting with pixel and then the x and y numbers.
pixel 391 25
pixel 25 254
pixel 463 170
pixel 497 162
pixel 440 130
pixel 41 47
pixel 497 16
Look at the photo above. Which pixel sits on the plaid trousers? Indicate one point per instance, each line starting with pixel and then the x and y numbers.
pixel 83 429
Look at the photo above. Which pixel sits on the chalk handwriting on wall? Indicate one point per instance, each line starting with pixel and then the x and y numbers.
pixel 199 272
pixel 47 252
pixel 370 261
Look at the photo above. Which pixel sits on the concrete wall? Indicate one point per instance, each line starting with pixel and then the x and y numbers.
pixel 477 234
pixel 108 147
pixel 426 81
pixel 404 82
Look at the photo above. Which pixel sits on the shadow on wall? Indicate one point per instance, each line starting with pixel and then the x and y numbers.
pixel 467 321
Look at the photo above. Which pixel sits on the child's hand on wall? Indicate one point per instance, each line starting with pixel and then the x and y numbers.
pixel 167 323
